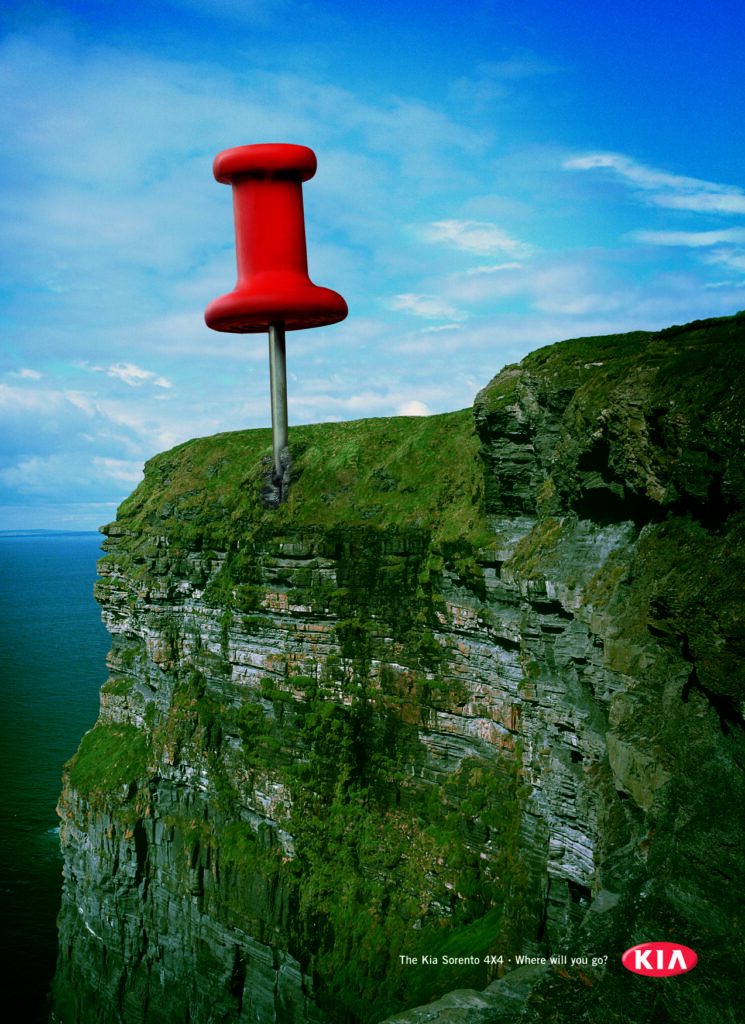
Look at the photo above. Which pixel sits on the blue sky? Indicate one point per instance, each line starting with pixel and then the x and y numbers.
pixel 492 177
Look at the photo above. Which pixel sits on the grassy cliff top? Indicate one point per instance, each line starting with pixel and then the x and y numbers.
pixel 388 473
pixel 404 472
pixel 685 355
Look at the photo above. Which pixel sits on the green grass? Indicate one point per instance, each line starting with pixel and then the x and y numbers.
pixel 109 757
pixel 565 365
pixel 117 687
pixel 387 473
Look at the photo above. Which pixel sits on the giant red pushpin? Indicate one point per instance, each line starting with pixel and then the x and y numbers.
pixel 273 292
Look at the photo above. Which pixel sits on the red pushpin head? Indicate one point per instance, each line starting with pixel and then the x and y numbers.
pixel 273 285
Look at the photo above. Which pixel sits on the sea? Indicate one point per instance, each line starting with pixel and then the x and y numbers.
pixel 53 647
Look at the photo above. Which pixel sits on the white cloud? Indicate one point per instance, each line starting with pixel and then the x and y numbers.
pixel 495 80
pixel 413 408
pixel 673 191
pixel 478 237
pixel 718 248
pixel 694 239
pixel 733 258
pixel 82 400
pixel 120 470
pixel 568 284
pixel 15 400
pixel 135 375
pixel 63 473
pixel 436 328
pixel 494 269
pixel 382 394
pixel 431 307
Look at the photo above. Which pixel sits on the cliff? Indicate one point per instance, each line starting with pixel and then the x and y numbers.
pixel 474 692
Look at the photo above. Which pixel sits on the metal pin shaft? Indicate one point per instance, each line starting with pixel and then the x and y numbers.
pixel 278 388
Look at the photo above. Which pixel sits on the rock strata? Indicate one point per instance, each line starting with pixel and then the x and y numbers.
pixel 472 692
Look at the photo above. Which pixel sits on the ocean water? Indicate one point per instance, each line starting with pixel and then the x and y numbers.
pixel 52 664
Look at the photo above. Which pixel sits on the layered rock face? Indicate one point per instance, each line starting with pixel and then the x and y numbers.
pixel 474 693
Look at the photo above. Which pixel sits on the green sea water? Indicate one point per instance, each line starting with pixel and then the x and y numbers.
pixel 53 647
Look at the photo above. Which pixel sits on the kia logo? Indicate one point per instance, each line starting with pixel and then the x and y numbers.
pixel 659 959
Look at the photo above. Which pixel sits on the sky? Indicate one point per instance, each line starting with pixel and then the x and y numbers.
pixel 492 177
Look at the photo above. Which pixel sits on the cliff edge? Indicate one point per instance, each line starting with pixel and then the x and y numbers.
pixel 470 700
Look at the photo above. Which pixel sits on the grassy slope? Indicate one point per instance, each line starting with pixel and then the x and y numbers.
pixel 405 471
pixel 392 472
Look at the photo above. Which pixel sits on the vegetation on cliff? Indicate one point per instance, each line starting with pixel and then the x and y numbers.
pixel 392 502
pixel 392 473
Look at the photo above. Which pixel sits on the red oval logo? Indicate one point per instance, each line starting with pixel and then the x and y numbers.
pixel 659 959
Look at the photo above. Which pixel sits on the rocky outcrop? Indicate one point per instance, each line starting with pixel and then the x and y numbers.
pixel 467 697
